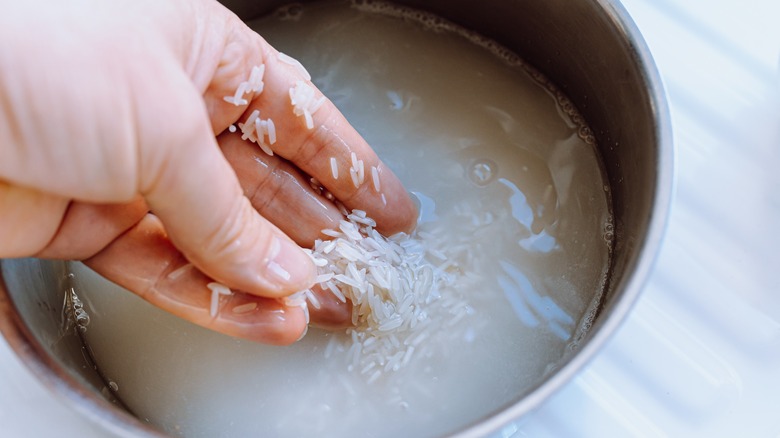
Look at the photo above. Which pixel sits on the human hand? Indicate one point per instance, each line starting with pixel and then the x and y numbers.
pixel 109 110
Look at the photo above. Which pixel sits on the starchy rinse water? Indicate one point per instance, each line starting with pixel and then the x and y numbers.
pixel 503 168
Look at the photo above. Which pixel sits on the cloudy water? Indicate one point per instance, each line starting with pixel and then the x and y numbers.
pixel 500 166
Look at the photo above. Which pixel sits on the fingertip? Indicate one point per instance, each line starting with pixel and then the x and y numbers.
pixel 287 326
pixel 404 213
pixel 287 265
pixel 216 227
pixel 393 207
pixel 330 313
pixel 260 260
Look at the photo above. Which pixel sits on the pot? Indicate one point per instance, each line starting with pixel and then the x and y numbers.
pixel 589 48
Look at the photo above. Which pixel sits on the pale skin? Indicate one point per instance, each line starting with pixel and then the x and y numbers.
pixel 115 151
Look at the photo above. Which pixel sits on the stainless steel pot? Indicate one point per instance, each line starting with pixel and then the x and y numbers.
pixel 589 48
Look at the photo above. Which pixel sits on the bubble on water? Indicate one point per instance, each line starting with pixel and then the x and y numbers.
pixel 82 318
pixel 609 230
pixel 482 172
pixel 74 316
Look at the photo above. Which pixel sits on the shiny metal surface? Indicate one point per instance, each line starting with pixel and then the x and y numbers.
pixel 31 296
pixel 592 51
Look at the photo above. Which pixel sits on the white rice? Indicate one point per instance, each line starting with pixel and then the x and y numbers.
pixel 354 176
pixel 331 233
pixel 181 270
pixel 217 289
pixel 324 277
pixel 353 157
pixel 261 131
pixel 295 299
pixel 312 299
pixel 361 172
pixel 298 299
pixel 302 99
pixel 270 129
pixel 234 101
pixel 375 179
pixel 357 172
pixel 254 85
pixel 309 120
pixel 256 79
pixel 400 296
pixel 362 220
pixel 277 269
pixel 287 59
pixel 265 148
pixel 257 130
pixel 336 291
pixel 248 127
pixel 245 308
pixel 334 168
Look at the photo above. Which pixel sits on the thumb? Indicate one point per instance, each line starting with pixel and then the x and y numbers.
pixel 190 186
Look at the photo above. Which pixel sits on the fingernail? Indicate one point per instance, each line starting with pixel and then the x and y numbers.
pixel 289 265
pixel 305 330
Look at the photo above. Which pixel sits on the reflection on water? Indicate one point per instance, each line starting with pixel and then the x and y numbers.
pixel 426 208
pixel 518 203
pixel 532 307
pixel 532 218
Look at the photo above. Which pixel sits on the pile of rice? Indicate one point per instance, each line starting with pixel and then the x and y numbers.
pixel 304 104
pixel 402 290
pixel 252 85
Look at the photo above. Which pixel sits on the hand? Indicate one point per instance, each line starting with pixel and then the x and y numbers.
pixel 108 117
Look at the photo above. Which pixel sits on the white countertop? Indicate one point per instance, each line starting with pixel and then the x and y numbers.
pixel 700 354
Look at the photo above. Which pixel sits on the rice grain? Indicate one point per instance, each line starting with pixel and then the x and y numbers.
pixel 354 176
pixel 361 172
pixel 375 179
pixel 245 308
pixel 271 128
pixel 178 272
pixel 402 296
pixel 287 59
pixel 334 168
pixel 217 289
pixel 253 84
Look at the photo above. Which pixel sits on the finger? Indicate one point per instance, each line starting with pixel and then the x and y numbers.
pixel 329 312
pixel 332 151
pixel 144 261
pixel 88 228
pixel 191 187
pixel 330 138
pixel 28 219
pixel 279 191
